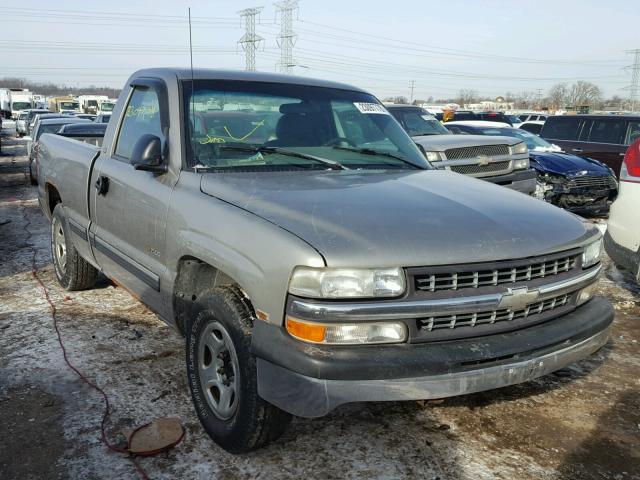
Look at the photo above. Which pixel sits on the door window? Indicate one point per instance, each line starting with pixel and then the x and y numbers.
pixel 633 133
pixel 606 131
pixel 562 128
pixel 141 116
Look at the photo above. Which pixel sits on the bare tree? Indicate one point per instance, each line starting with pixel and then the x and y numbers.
pixel 584 93
pixel 466 96
pixel 399 99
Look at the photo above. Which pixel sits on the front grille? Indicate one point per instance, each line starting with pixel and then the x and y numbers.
pixel 432 282
pixel 592 182
pixel 473 152
pixel 491 316
pixel 494 167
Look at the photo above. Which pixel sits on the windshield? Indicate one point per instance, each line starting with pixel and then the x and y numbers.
pixel 262 126
pixel 106 106
pixel 69 105
pixel 21 105
pixel 512 118
pixel 417 122
pixel 534 142
pixel 23 116
pixel 49 128
pixel 92 103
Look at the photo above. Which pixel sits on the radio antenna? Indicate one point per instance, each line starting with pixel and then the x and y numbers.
pixel 193 91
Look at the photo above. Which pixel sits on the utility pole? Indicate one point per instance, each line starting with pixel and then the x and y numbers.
pixel 634 88
pixel 413 84
pixel 250 41
pixel 287 38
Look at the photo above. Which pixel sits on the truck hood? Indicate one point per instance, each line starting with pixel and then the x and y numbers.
pixel 566 164
pixel 364 219
pixel 439 143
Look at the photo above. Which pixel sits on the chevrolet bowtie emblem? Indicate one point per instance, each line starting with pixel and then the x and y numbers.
pixel 483 160
pixel 518 298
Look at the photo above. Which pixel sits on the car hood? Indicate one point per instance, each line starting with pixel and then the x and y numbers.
pixel 443 142
pixel 405 219
pixel 566 164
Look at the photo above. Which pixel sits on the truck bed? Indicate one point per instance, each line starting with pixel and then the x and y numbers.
pixel 66 163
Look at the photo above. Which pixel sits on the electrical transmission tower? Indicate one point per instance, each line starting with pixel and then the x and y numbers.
pixel 250 41
pixel 287 37
pixel 634 88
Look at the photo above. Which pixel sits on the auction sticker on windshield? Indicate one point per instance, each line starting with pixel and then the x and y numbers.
pixel 364 107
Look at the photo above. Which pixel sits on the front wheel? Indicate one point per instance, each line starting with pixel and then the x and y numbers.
pixel 222 375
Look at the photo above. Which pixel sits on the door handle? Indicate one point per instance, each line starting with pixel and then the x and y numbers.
pixel 102 185
pixel 579 150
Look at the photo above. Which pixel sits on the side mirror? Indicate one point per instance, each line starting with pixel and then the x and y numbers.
pixel 147 154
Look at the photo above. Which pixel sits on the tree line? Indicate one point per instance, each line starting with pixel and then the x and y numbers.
pixel 562 96
pixel 51 89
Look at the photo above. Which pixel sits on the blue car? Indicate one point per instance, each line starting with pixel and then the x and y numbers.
pixel 578 184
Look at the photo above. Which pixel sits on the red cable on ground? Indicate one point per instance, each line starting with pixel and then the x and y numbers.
pixel 83 377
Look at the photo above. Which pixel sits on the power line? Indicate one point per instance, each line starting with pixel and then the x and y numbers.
pixel 250 40
pixel 635 78
pixel 287 37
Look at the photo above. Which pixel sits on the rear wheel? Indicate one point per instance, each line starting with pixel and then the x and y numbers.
pixel 72 271
pixel 222 375
pixel 32 178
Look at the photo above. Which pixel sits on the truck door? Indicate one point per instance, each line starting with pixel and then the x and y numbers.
pixel 130 206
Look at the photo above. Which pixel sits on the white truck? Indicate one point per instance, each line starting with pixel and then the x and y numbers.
pixel 20 99
pixel 106 105
pixel 91 103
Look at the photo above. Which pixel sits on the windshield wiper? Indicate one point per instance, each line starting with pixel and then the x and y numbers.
pixel 371 151
pixel 283 151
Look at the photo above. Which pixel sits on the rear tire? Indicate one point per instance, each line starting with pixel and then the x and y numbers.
pixel 72 271
pixel 219 360
pixel 32 178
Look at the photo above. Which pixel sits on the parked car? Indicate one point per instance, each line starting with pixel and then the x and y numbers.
pixel 578 184
pixel 47 125
pixel 464 115
pixel 534 126
pixel 92 133
pixel 503 161
pixel 330 264
pixel 603 137
pixel 33 113
pixel 43 116
pixel 86 116
pixel 103 118
pixel 21 123
pixel 622 238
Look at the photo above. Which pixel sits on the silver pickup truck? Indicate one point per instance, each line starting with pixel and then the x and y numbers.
pixel 497 159
pixel 311 256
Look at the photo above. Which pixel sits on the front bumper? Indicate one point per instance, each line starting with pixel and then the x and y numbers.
pixel 520 180
pixel 311 380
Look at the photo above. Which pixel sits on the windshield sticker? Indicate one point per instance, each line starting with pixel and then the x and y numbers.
pixel 428 117
pixel 370 108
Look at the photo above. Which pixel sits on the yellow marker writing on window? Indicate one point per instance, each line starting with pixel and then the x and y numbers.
pixel 238 139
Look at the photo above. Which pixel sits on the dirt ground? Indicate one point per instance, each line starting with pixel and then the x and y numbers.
pixel 581 423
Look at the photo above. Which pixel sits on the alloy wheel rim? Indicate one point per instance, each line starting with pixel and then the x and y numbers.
pixel 59 245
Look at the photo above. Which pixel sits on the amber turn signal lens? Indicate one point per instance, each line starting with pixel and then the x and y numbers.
pixel 310 332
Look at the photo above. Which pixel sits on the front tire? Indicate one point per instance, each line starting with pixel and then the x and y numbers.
pixel 32 178
pixel 72 271
pixel 222 375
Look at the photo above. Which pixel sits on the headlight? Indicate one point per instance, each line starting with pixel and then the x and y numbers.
pixel 433 156
pixel 521 164
pixel 347 282
pixel 519 148
pixel 591 253
pixel 347 334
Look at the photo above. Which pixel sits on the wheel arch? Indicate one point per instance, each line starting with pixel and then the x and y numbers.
pixel 194 278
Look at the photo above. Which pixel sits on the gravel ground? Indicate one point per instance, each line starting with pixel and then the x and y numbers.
pixel 580 423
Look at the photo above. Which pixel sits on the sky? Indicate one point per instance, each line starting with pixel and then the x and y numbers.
pixel 492 47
